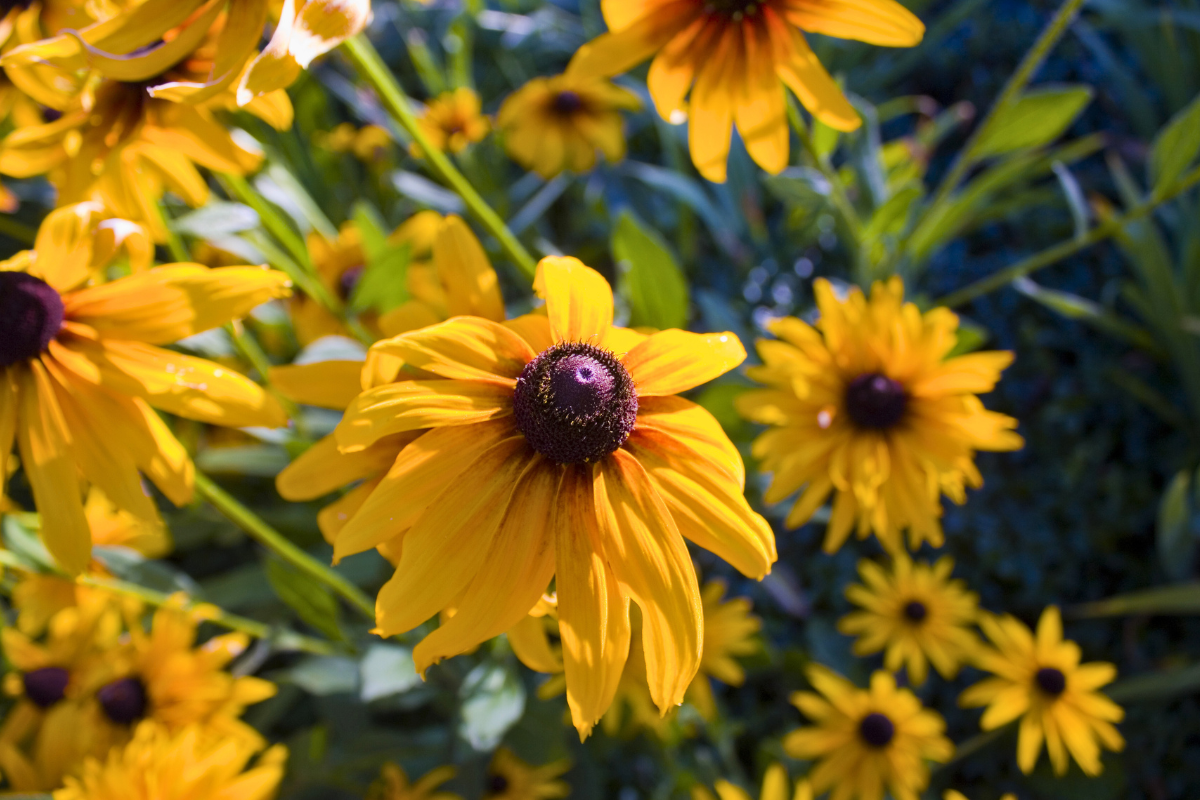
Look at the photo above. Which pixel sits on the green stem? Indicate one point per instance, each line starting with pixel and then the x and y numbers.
pixel 1052 255
pixel 279 544
pixel 371 67
pixel 17 230
pixel 1012 90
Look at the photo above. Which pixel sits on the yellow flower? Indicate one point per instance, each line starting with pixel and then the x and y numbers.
pixel 917 613
pixel 114 527
pixel 393 785
pixel 452 120
pixel 510 778
pixel 774 787
pixel 868 406
pixel 158 764
pixel 81 372
pixel 555 124
pixel 952 794
pixel 558 450
pixel 868 741
pixel 736 57
pixel 1040 680
pixel 729 631
pixel 456 280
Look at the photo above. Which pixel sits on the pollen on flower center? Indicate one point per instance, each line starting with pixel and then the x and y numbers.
pixel 875 401
pixel 915 611
pixel 31 314
pixel 1051 681
pixel 46 686
pixel 575 403
pixel 567 103
pixel 123 701
pixel 876 730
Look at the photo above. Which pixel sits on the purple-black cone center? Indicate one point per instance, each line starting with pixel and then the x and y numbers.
pixel 567 103
pixel 348 281
pixel 1051 681
pixel 876 730
pixel 497 784
pixel 123 701
pixel 915 611
pixel 31 314
pixel 875 401
pixel 46 686
pixel 575 403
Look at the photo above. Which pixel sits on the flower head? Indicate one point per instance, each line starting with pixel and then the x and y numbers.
pixel 867 741
pixel 735 57
pixel 81 370
pixel 774 787
pixel 500 495
pixel 1039 679
pixel 555 124
pixel 916 613
pixel 868 405
pixel 510 778
pixel 393 784
pixel 453 120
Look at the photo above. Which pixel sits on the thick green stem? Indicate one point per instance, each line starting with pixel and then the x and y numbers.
pixel 371 67
pixel 280 545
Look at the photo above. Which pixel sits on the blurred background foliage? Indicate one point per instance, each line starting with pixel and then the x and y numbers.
pixel 1103 502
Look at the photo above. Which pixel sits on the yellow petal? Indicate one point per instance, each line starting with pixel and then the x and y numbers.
pixel 798 67
pixel 579 302
pixel 472 286
pixel 325 384
pixel 322 469
pixel 673 361
pixel 761 111
pixel 64 245
pixel 879 22
pixel 618 51
pixel 410 405
pixel 694 427
pixel 531 645
pixel 710 125
pixel 463 348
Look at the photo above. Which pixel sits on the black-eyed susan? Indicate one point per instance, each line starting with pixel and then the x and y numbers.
pixel 869 406
pixel 556 449
pixel 1039 680
pixel 393 784
pixel 775 786
pixel 453 120
pixel 736 57
pixel 558 123
pixel 510 778
pixel 866 741
pixel 916 613
pixel 159 763
pixel 730 632
pixel 452 277
pixel 81 370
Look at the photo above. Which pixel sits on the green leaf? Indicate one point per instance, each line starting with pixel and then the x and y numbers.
pixel 312 601
pixel 1176 146
pixel 1174 538
pixel 1037 118
pixel 1182 598
pixel 824 138
pixel 1072 306
pixel 217 218
pixel 971 336
pixel 384 282
pixel 1157 685
pixel 651 281
pixel 493 699
pixel 322 675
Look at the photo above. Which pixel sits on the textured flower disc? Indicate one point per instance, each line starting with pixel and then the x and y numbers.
pixel 575 403
pixel 876 730
pixel 123 701
pixel 915 611
pixel 1051 681
pixel 31 314
pixel 46 686
pixel 875 401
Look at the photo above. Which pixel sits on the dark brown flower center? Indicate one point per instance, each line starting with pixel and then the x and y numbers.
pixel 31 314
pixel 915 611
pixel 567 103
pixel 123 701
pixel 875 401
pixel 348 281
pixel 876 730
pixel 1051 681
pixel 496 784
pixel 575 403
pixel 735 10
pixel 46 686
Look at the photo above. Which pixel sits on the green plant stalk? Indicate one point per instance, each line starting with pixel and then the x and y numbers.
pixel 280 545
pixel 1012 90
pixel 1052 255
pixel 17 230
pixel 371 67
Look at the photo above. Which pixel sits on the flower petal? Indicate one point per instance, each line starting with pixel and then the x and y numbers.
pixel 673 361
pixel 695 427
pixel 409 405
pixel 64 245
pixel 531 645
pixel 325 384
pixel 879 22
pixel 464 349
pixel 797 66
pixel 472 286
pixel 579 302
pixel 322 469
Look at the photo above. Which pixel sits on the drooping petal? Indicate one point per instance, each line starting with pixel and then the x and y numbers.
pixel 761 110
pixel 879 22
pixel 410 405
pixel 463 348
pixel 618 51
pixel 532 646
pixel 322 469
pixel 579 302
pixel 801 71
pixel 673 361
pixel 652 565
pixel 325 384
pixel 710 127
pixel 472 286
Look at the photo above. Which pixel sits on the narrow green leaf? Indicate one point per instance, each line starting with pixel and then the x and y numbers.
pixel 1037 118
pixel 651 281
pixel 313 602
pixel 1173 535
pixel 1181 598
pixel 1176 146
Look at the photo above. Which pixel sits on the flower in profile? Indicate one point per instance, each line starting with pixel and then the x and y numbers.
pixel 510 778
pixel 774 787
pixel 915 612
pixel 736 57
pixel 866 741
pixel 453 120
pixel 1039 680
pixel 82 369
pixel 558 123
pixel 393 784
pixel 158 763
pixel 556 449
pixel 870 406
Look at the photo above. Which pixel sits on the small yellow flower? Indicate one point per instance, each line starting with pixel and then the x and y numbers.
pixel 867 741
pixel 917 613
pixel 774 787
pixel 81 370
pixel 555 124
pixel 1039 679
pixel 868 406
pixel 393 785
pixel 368 144
pixel 730 630
pixel 510 778
pixel 452 120
pixel 158 764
